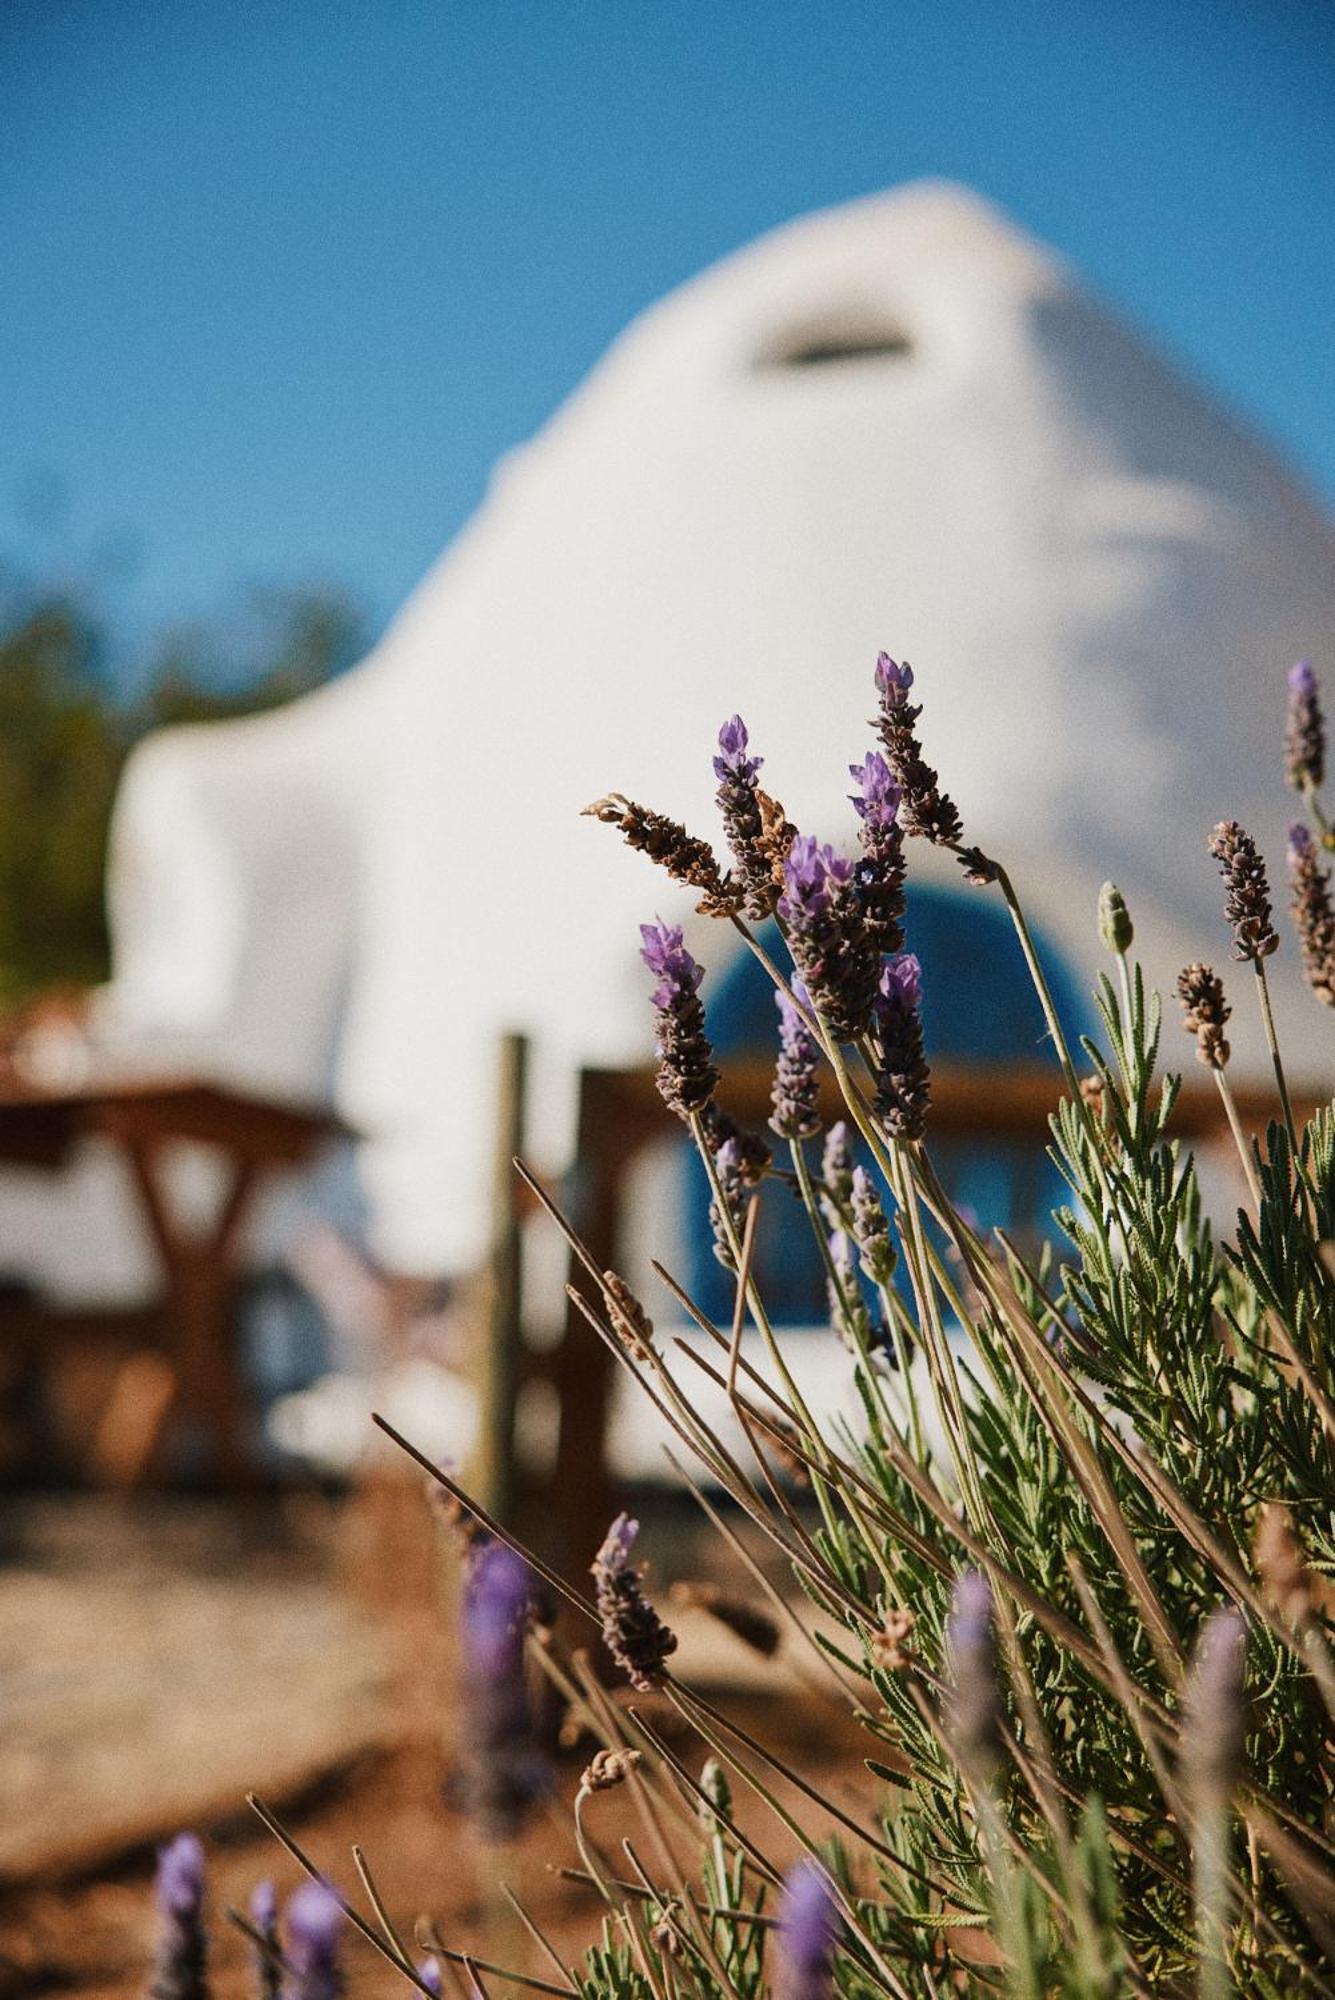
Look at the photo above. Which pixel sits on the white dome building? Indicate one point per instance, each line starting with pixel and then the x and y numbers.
pixel 899 424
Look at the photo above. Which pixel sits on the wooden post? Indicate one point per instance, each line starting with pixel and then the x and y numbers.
pixel 499 1349
pixel 582 1368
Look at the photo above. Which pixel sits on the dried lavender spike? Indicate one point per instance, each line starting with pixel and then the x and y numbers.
pixel 743 821
pixel 432 1977
pixel 828 937
pixel 264 1916
pixel 805 1936
pixel 505 1770
pixel 973 1703
pixel 1247 892
pixel 871 1231
pixel 795 1094
pixel 314 1933
pixel 630 1322
pixel 1116 930
pixel 666 842
pixel 1313 913
pixel 732 1184
pixel 1204 1012
pixel 609 1768
pixel 686 1073
pixel 633 1632
pixel 1212 1708
pixel 879 875
pixel 904 1080
pixel 1305 731
pixel 925 810
pixel 180 1962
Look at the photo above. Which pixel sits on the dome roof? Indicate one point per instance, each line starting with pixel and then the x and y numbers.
pixel 901 424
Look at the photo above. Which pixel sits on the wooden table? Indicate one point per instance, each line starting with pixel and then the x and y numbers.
pixel 145 1118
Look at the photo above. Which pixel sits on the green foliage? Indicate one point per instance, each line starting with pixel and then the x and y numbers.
pixel 65 735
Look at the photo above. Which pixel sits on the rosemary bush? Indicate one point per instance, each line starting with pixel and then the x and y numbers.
pixel 1070 1566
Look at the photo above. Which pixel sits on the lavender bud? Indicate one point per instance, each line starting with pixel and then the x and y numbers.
pixel 1204 1012
pixel 973 1708
pixel 314 1931
pixel 828 938
pixel 848 1308
pixel 753 1155
pixel 1246 893
pixel 871 1231
pixel 743 820
pixel 505 1770
pixel 904 1082
pixel 1116 930
pixel 633 1632
pixel 795 1094
pixel 1313 914
pixel 1212 1709
pixel 431 1976
pixel 879 875
pixel 180 1962
pixel 925 810
pixel 806 1933
pixel 718 1792
pixel 1305 732
pixel 686 1074
pixel 727 1222
pixel 264 1916
pixel 836 1172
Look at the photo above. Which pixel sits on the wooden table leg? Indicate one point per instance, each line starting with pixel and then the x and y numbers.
pixel 200 1273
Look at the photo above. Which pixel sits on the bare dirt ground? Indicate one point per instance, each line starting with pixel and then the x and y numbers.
pixel 158 1662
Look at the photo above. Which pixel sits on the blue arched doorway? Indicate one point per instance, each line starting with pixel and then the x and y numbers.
pixel 979 1008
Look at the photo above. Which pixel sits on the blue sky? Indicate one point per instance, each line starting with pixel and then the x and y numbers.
pixel 281 281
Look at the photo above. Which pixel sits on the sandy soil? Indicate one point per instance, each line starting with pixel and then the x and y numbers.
pixel 183 1659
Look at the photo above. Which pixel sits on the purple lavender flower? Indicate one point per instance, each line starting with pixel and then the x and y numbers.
pixel 879 874
pixel 739 801
pixel 504 1766
pixel 795 1093
pixel 432 1978
pixel 828 937
pixel 314 1932
pixel 1313 914
pixel 973 1706
pixel 180 1962
pixel 264 1916
pixel 904 1080
pixel 686 1073
pixel 925 809
pixel 807 1930
pixel 633 1632
pixel 1305 731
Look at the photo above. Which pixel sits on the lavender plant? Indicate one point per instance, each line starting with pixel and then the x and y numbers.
pixel 1069 1572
